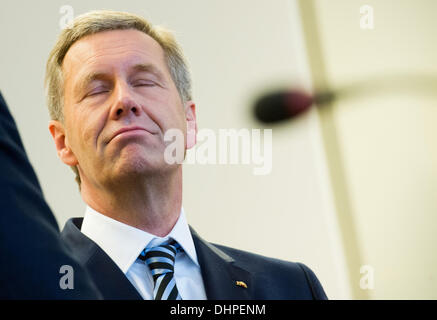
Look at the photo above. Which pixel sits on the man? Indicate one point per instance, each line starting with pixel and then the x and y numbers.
pixel 116 85
pixel 32 254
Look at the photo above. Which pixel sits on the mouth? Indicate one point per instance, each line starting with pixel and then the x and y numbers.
pixel 130 131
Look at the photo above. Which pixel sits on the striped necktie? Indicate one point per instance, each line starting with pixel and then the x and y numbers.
pixel 161 261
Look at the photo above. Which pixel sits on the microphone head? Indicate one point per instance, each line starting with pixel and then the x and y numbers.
pixel 282 105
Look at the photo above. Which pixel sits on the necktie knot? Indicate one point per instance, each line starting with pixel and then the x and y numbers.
pixel 161 260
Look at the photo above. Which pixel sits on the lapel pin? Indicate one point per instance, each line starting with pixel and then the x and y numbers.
pixel 241 284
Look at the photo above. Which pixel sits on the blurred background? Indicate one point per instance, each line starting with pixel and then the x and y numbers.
pixel 353 188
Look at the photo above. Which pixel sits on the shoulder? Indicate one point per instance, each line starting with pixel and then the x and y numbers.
pixel 257 262
pixel 277 273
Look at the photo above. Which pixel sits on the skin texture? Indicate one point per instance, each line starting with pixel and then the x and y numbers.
pixel 118 80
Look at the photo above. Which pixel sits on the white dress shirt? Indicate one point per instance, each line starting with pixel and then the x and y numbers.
pixel 124 243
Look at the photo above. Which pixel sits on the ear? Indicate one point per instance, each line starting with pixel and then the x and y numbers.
pixel 190 116
pixel 61 142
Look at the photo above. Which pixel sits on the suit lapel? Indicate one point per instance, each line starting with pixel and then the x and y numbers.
pixel 220 273
pixel 110 280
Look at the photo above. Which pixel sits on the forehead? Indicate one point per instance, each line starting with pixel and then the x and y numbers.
pixel 112 49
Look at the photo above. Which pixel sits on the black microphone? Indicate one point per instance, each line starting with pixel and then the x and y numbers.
pixel 282 105
pixel 287 104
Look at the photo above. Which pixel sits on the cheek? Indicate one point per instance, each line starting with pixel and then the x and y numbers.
pixel 86 128
pixel 173 120
pixel 166 112
pixel 175 112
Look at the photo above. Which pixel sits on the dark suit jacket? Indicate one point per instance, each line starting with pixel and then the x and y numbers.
pixel 31 251
pixel 221 267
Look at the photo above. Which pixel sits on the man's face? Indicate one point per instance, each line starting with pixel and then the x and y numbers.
pixel 119 100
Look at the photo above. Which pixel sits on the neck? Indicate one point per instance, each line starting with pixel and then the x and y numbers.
pixel 152 204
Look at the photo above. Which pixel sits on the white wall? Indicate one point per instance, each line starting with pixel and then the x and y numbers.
pixel 234 49
pixel 388 140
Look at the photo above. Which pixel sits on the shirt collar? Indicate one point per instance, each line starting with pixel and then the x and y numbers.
pixel 124 243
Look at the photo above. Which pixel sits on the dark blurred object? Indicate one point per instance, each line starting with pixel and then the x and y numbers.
pixel 31 251
pixel 281 105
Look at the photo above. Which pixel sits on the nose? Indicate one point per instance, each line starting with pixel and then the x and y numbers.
pixel 125 104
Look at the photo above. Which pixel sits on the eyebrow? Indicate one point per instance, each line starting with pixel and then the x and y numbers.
pixel 148 68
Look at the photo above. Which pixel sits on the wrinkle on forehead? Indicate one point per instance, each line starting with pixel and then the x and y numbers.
pixel 90 50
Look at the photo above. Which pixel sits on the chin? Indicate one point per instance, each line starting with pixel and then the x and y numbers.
pixel 142 166
pixel 135 160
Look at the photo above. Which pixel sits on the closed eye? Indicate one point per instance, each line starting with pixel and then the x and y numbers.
pixel 144 83
pixel 97 91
